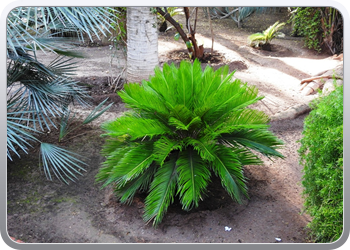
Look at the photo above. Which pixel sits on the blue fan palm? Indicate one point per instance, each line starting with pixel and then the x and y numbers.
pixel 36 92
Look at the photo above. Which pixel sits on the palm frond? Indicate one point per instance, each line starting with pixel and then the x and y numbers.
pixel 62 162
pixel 18 132
pixel 17 137
pixel 163 148
pixel 162 191
pixel 45 93
pixel 260 140
pixel 97 112
pixel 228 167
pixel 134 163
pixel 62 66
pixel 64 123
pixel 144 98
pixel 142 183
pixel 135 127
pixel 194 176
pixel 108 172
pixel 26 24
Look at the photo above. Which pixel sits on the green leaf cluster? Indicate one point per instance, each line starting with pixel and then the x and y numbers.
pixel 307 23
pixel 321 154
pixel 260 39
pixel 184 125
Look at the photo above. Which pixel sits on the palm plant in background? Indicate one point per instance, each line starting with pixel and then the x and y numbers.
pixel 237 14
pixel 263 40
pixel 184 125
pixel 38 93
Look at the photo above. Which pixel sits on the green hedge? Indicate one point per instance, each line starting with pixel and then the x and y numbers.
pixel 321 155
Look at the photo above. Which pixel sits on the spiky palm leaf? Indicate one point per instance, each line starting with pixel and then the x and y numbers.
pixel 184 125
pixel 259 39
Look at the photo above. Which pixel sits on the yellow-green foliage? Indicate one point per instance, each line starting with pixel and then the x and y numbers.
pixel 260 39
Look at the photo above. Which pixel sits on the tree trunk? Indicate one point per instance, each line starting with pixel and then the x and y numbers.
pixel 142 44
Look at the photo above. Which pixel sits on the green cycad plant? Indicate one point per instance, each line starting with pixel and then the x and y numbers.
pixel 184 125
pixel 263 40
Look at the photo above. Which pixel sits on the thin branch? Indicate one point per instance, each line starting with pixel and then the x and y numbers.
pixel 176 25
pixel 319 77
pixel 212 33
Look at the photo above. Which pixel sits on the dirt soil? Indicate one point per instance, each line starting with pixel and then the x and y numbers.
pixel 43 211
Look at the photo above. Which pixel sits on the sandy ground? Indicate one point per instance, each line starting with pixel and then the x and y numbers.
pixel 42 211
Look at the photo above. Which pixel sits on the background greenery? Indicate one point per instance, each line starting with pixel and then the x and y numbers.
pixel 321 154
pixel 321 27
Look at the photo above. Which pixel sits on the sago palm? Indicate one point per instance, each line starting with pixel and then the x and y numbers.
pixel 184 125
pixel 265 38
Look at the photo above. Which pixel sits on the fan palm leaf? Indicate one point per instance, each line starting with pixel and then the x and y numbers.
pixel 27 24
pixel 37 93
pixel 63 163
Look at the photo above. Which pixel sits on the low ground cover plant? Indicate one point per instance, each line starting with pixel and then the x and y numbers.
pixel 321 154
pixel 184 125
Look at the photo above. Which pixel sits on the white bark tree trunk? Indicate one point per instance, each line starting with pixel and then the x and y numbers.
pixel 142 44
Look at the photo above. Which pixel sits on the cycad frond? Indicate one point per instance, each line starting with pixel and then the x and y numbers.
pixel 162 191
pixel 194 176
pixel 242 119
pixel 205 148
pixel 260 140
pixel 228 167
pixel 233 100
pixel 259 39
pixel 135 127
pixel 164 146
pixel 126 193
pixel 144 98
pixel 134 162
pixel 108 173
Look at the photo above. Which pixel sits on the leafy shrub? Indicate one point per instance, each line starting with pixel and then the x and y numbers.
pixel 322 157
pixel 263 40
pixel 184 125
pixel 321 27
pixel 307 23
